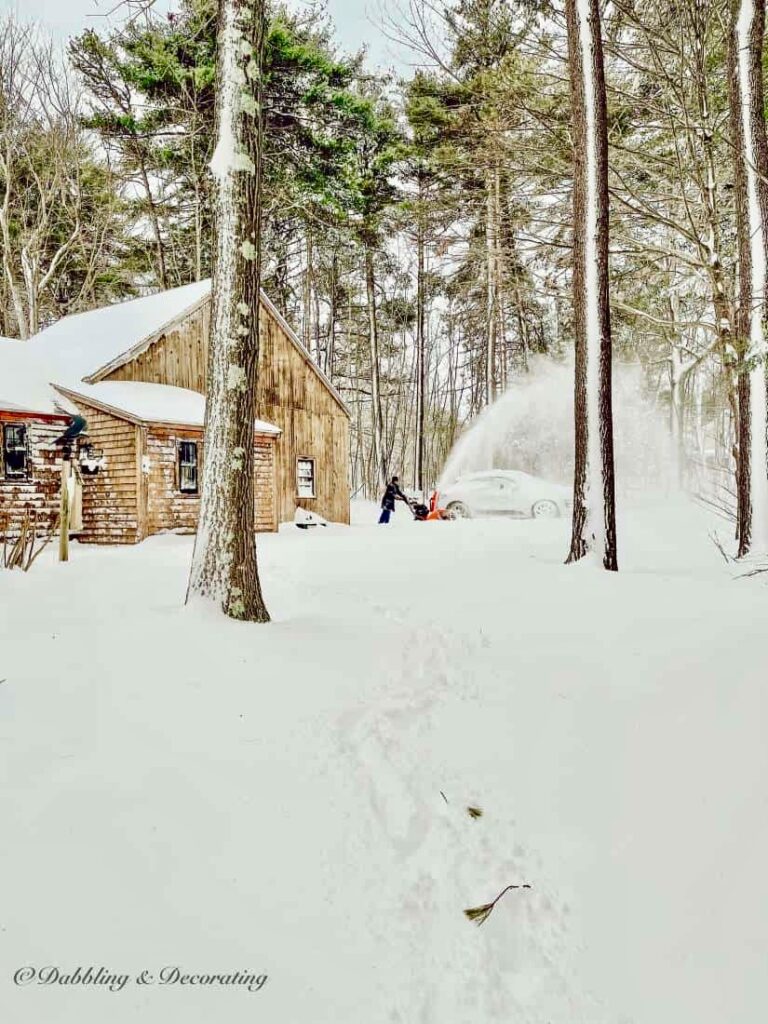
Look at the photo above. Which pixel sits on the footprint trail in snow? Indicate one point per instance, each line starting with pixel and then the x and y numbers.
pixel 400 751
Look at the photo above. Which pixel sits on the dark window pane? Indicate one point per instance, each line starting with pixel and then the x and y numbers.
pixel 305 478
pixel 15 450
pixel 188 467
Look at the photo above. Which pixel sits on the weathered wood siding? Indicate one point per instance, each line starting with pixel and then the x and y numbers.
pixel 179 356
pixel 111 496
pixel 292 395
pixel 40 491
pixel 167 508
pixel 295 398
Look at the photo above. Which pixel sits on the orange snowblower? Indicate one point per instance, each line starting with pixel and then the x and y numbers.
pixel 425 514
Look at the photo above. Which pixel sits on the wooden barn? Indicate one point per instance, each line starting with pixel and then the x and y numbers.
pixel 136 372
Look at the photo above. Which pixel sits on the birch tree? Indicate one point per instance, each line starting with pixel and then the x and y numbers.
pixel 750 151
pixel 224 566
pixel 594 513
pixel 42 152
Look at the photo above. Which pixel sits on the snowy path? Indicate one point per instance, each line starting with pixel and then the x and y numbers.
pixel 292 800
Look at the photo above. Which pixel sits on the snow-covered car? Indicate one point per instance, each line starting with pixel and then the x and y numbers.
pixel 505 492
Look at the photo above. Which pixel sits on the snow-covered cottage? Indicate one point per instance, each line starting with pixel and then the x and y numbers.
pixel 136 372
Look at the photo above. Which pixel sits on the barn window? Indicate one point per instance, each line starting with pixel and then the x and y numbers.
pixel 305 478
pixel 15 455
pixel 188 467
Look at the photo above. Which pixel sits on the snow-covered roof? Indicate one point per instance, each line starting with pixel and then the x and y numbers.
pixel 24 383
pixel 29 384
pixel 151 403
pixel 78 345
pixel 81 345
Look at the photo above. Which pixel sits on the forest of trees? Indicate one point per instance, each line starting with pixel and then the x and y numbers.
pixel 418 229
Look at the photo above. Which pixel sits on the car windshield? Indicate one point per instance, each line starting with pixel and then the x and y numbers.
pixel 489 478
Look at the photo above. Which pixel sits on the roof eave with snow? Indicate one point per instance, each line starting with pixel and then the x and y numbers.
pixel 122 410
pixel 146 342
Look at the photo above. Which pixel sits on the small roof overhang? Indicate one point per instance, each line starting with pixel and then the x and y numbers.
pixel 147 404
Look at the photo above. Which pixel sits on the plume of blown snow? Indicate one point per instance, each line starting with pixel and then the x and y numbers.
pixel 530 428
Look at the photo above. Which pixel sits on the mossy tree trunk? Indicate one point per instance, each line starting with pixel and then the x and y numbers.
pixel 224 566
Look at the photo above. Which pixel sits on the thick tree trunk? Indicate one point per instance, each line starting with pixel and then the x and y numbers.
pixel 707 133
pixel 750 149
pixel 377 418
pixel 499 267
pixel 330 344
pixel 162 269
pixel 10 277
pixel 306 313
pixel 421 346
pixel 224 567
pixel 594 512
pixel 492 292
pixel 31 276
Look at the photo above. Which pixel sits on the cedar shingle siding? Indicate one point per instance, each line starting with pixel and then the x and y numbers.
pixel 110 497
pixel 168 508
pixel 39 491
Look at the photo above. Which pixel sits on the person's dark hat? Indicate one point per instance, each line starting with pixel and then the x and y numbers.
pixel 395 479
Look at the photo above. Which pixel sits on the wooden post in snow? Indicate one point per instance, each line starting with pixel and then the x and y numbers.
pixel 64 512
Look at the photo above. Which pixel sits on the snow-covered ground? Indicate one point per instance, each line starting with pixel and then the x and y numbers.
pixel 291 800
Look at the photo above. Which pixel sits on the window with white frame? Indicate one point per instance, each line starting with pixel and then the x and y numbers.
pixel 15 454
pixel 305 478
pixel 188 467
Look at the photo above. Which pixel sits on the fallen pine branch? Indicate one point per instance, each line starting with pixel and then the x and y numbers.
pixel 752 572
pixel 479 915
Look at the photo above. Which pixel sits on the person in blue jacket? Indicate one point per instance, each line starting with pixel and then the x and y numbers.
pixel 391 495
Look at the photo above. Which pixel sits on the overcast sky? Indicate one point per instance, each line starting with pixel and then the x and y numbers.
pixel 356 21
